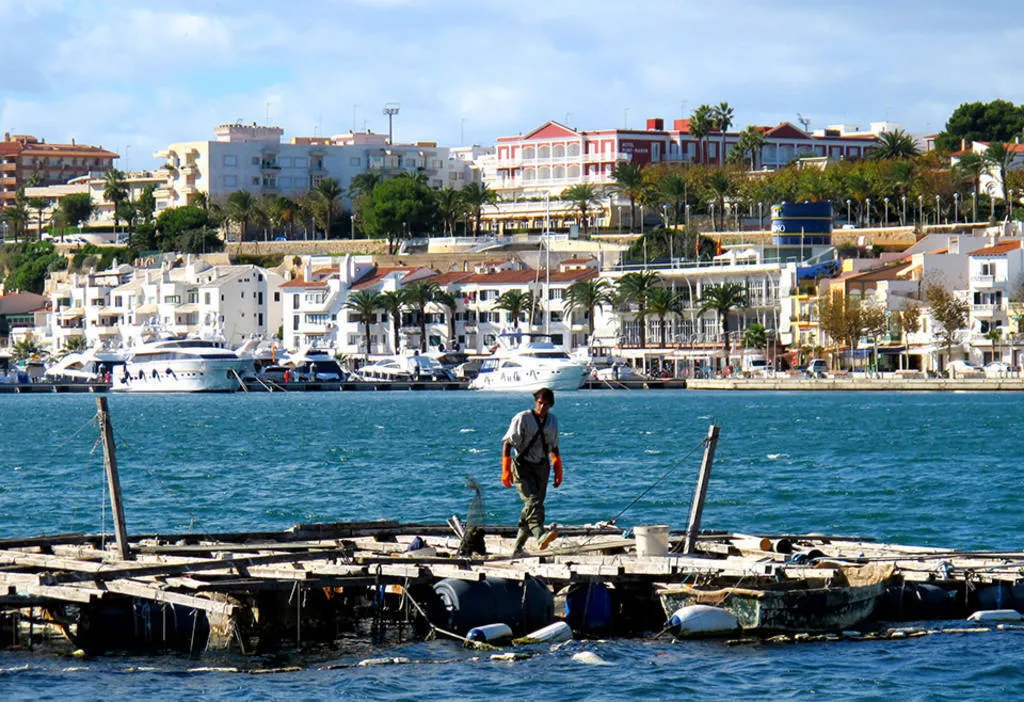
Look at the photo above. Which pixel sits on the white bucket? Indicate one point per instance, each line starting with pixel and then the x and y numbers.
pixel 651 540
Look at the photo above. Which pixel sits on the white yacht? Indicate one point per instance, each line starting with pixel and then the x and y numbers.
pixel 311 364
pixel 89 366
pixel 413 367
pixel 181 365
pixel 527 363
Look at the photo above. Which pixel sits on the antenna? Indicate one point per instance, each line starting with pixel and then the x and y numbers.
pixel 391 109
pixel 803 120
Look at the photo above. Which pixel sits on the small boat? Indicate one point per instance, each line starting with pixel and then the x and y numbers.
pixel 312 364
pixel 527 362
pixel 805 604
pixel 89 366
pixel 413 368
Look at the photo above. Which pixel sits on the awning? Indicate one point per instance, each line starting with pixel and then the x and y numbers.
pixel 187 308
pixel 71 312
pixel 145 309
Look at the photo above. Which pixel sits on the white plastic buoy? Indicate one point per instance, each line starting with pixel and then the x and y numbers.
pixel 996 615
pixel 589 658
pixel 490 632
pixel 697 620
pixel 559 631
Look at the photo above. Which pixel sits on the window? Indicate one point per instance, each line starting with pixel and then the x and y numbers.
pixel 434 340
pixel 295 301
pixel 259 298
pixel 206 297
pixel 259 319
pixel 301 162
pixel 295 322
pixel 354 161
pixel 285 162
pixel 231 181
pixel 230 160
pixel 556 339
pixel 555 294
pixel 255 160
pixel 277 296
pixel 255 180
pixel 556 316
pixel 172 299
pixel 241 294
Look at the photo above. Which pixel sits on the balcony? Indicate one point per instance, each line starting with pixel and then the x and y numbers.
pixel 562 160
pixel 985 310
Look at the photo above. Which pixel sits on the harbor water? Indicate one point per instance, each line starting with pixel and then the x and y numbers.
pixel 937 469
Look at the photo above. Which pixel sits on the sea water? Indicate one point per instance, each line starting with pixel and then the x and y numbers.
pixel 937 469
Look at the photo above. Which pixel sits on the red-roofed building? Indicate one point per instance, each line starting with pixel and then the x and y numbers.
pixel 994 273
pixel 23 156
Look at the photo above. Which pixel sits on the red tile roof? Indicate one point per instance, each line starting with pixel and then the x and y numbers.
pixel 302 283
pixel 376 275
pixel 525 277
pixel 999 249
pixel 450 277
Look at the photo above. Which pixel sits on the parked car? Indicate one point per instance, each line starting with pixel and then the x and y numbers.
pixel 817 368
pixel 962 369
pixel 998 369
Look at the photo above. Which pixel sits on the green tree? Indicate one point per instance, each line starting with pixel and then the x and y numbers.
pixel 243 209
pixel 673 189
pixel 634 289
pixel 662 301
pixel 202 240
pixel 589 295
pixel 39 204
pixel 970 167
pixel 897 144
pixel 702 123
pixel 26 348
pixel 115 190
pixel 392 303
pixel 583 196
pixel 755 336
pixel 999 120
pixel 721 115
pixel 748 145
pixel 399 208
pixel 76 209
pixel 17 217
pixel 516 303
pixel 476 196
pixel 172 223
pixel 722 299
pixel 365 304
pixel 28 264
pixel 997 159
pixel 629 180
pixel 74 344
pixel 949 313
pixel 418 295
pixel 146 206
pixel 451 207
pixel 450 301
pixel 329 192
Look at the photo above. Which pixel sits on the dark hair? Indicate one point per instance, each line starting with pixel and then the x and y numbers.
pixel 545 394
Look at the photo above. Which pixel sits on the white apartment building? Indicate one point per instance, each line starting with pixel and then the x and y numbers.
pixel 93 185
pixel 118 307
pixel 995 276
pixel 254 158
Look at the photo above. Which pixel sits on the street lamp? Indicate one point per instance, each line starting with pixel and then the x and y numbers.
pixel 903 217
pixel 848 221
pixel 760 217
pixel 352 234
pixel 713 217
pixel 920 209
pixel 886 210
pixel 974 206
pixel 867 212
pixel 937 201
pixel 956 208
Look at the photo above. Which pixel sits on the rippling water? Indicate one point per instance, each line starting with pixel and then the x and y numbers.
pixel 939 469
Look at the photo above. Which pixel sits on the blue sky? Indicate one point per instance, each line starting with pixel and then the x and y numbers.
pixel 137 75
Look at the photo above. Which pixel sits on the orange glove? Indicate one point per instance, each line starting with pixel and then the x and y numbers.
pixel 557 465
pixel 506 471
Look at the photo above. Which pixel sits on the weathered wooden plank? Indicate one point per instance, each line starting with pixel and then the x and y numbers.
pixel 151 591
pixel 65 593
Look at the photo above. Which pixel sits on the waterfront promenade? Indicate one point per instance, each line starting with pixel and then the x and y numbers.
pixel 860 382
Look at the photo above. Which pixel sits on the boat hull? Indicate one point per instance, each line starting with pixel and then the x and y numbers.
pixel 186 375
pixel 790 609
pixel 530 379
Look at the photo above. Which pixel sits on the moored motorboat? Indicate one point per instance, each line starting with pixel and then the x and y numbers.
pixel 527 362
pixel 181 365
pixel 89 366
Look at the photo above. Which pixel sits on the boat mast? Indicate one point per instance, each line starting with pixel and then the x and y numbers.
pixel 547 265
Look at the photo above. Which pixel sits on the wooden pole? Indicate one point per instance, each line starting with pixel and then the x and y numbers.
pixel 697 508
pixel 113 481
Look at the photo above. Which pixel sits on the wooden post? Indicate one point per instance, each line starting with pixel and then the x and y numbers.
pixel 697 508
pixel 113 481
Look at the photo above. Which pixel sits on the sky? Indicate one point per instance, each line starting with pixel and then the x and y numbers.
pixel 135 75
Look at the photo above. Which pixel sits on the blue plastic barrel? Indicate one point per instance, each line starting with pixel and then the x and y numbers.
pixel 465 605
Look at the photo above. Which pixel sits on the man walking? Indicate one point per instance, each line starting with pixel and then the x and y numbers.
pixel 534 436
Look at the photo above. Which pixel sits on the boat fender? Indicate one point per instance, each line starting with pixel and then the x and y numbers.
pixel 697 620
pixel 490 633
pixel 552 633
pixel 996 615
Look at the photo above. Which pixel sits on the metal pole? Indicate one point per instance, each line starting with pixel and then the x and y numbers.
pixel 113 481
pixel 697 508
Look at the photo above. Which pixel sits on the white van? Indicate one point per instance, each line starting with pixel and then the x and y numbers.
pixel 754 363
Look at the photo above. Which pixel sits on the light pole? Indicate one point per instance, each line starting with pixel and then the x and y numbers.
pixel 956 208
pixel 713 217
pixel 937 202
pixel 903 217
pixel 688 229
pixel 886 210
pixel 867 212
pixel 760 217
pixel 974 206
pixel 848 221
pixel 352 235
pixel 920 209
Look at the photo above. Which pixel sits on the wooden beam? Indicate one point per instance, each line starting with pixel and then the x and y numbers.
pixel 113 481
pixel 149 591
pixel 697 508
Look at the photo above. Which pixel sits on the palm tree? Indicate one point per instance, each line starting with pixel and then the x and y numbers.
pixel 662 301
pixel 970 166
pixel 721 116
pixel 749 143
pixel 722 299
pixel 452 207
pixel 38 204
pixel 418 295
pixel 74 344
pixel 115 190
pixel 17 215
pixel 998 157
pixel 281 212
pixel 589 295
pixel 475 196
pixel 392 302
pixel 629 180
pixel 718 186
pixel 636 288
pixel 701 124
pixel 328 191
pixel 26 348
pixel 673 188
pixel 363 184
pixel 582 196
pixel 243 208
pixel 450 302
pixel 365 303
pixel 897 144
pixel 515 302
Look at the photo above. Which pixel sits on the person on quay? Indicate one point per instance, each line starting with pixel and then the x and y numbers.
pixel 534 436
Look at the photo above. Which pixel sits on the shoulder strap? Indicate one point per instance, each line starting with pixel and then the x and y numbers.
pixel 540 434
